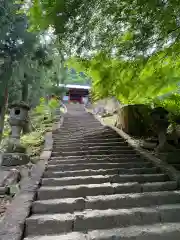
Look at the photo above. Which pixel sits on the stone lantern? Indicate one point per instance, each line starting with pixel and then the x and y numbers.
pixel 161 122
pixel 15 153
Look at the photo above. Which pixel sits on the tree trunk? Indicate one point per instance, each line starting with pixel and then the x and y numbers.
pixel 25 92
pixel 4 80
pixel 3 107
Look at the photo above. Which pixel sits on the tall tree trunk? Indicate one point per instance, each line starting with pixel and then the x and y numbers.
pixel 3 107
pixel 25 92
pixel 4 80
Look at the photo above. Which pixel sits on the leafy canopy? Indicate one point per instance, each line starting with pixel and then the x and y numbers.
pixel 137 81
pixel 129 27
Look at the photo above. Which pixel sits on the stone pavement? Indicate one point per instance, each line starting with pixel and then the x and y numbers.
pixel 97 187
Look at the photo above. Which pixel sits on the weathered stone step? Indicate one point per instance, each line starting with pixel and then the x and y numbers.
pixel 92 132
pixel 92 144
pixel 140 178
pixel 82 140
pixel 89 133
pixel 101 157
pixel 97 187
pixel 94 152
pixel 145 199
pixel 114 155
pixel 100 219
pixel 92 148
pixel 80 126
pixel 90 172
pixel 71 191
pixel 93 160
pixel 81 132
pixel 66 236
pixel 94 126
pixel 102 202
pixel 83 122
pixel 96 166
pixel 85 135
pixel 159 231
pixel 73 126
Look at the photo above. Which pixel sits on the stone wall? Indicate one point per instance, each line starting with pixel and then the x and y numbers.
pixel 106 107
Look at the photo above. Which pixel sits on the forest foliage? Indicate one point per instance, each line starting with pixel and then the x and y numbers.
pixel 31 68
pixel 138 81
pixel 129 49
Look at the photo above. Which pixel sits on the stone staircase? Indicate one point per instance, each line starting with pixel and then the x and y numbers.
pixel 97 187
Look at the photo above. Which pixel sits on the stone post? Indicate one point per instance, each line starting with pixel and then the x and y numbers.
pixel 15 153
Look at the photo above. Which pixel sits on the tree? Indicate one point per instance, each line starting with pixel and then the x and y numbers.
pixel 134 27
pixel 130 81
pixel 136 38
pixel 23 56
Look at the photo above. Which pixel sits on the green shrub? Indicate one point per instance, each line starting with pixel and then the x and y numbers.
pixel 42 120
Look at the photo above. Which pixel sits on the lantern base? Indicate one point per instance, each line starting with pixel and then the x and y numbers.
pixel 14 159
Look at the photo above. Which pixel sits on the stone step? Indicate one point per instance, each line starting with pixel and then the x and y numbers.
pixel 71 191
pixel 66 236
pixel 83 129
pixel 88 155
pixel 92 148
pixel 82 140
pixel 84 136
pixel 81 120
pixel 96 166
pixel 96 187
pixel 102 202
pixel 84 124
pixel 158 231
pixel 81 125
pixel 100 219
pixel 94 152
pixel 140 178
pixel 98 156
pixel 89 134
pixel 77 122
pixel 90 172
pixel 101 157
pixel 93 160
pixel 86 128
pixel 92 144
pixel 73 126
pixel 95 145
pixel 116 138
